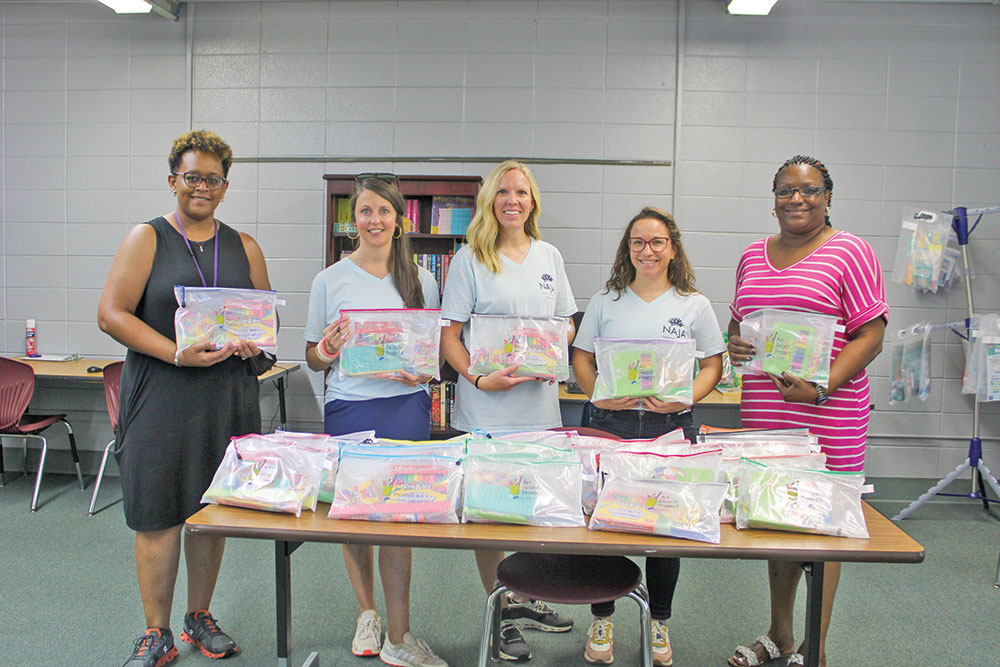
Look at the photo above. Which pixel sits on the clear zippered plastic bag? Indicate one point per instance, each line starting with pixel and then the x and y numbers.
pixel 220 315
pixel 669 508
pixel 634 368
pixel 383 342
pixel 537 345
pixel 800 344
pixel 508 489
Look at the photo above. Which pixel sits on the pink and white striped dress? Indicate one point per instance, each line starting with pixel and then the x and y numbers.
pixel 840 278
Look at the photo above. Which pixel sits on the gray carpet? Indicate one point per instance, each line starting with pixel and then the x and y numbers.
pixel 68 596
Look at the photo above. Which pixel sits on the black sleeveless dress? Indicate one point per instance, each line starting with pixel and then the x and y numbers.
pixel 174 423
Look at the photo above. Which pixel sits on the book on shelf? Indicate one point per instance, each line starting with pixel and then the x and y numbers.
pixel 442 402
pixel 451 215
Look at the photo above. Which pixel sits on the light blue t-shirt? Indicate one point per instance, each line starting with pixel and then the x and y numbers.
pixel 345 285
pixel 538 286
pixel 670 315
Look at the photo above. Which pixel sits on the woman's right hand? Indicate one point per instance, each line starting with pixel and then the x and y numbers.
pixel 624 403
pixel 740 350
pixel 501 380
pixel 335 335
pixel 203 355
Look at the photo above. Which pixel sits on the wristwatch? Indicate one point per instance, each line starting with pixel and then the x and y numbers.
pixel 821 396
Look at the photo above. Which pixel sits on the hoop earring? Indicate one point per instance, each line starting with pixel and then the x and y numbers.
pixel 356 234
pixel 398 233
pixel 773 214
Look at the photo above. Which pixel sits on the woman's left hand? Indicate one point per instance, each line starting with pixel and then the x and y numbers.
pixel 406 378
pixel 246 349
pixel 653 404
pixel 794 389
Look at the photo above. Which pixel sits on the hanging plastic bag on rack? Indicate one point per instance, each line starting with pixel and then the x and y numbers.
pixel 537 345
pixel 673 509
pixel 220 315
pixel 920 252
pixel 387 484
pixel 910 364
pixel 383 342
pixel 634 368
pixel 799 344
pixel 808 501
pixel 509 489
pixel 982 365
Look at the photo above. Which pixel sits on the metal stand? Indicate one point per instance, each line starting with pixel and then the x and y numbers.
pixel 975 463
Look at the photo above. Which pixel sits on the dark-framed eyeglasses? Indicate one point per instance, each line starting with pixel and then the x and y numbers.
pixel 391 179
pixel 193 179
pixel 656 244
pixel 805 191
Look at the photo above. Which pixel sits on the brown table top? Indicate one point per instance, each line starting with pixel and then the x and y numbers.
pixel 888 544
pixel 76 370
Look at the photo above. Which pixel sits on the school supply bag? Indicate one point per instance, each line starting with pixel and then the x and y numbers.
pixel 730 474
pixel 506 489
pixel 538 345
pixel 807 501
pixel 588 449
pixel 635 368
pixel 699 467
pixel 385 484
pixel 927 251
pixel 672 509
pixel 383 342
pixel 528 451
pixel 267 474
pixel 800 344
pixel 220 315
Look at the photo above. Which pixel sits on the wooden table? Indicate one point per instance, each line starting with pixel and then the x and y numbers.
pixel 888 544
pixel 76 371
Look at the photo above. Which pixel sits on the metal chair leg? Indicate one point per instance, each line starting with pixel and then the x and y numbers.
pixel 100 477
pixel 996 582
pixel 641 598
pixel 41 467
pixel 491 638
pixel 73 450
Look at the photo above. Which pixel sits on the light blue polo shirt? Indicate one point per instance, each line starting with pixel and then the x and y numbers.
pixel 538 286
pixel 345 285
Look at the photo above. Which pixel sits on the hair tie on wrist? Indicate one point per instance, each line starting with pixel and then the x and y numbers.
pixel 476 383
pixel 321 352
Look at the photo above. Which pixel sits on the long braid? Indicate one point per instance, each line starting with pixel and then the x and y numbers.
pixel 812 162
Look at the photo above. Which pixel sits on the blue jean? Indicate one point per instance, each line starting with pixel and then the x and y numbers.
pixel 661 573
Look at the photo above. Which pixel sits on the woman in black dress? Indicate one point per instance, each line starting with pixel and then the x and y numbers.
pixel 178 409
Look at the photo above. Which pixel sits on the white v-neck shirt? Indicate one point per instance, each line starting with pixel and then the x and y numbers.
pixel 538 286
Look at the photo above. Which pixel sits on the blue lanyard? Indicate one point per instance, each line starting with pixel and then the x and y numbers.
pixel 215 278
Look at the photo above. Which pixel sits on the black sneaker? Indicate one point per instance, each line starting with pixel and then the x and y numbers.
pixel 153 649
pixel 512 644
pixel 201 630
pixel 535 615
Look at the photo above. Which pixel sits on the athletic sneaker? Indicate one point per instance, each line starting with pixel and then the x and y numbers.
pixel 535 615
pixel 663 656
pixel 201 630
pixel 368 635
pixel 600 648
pixel 512 645
pixel 153 649
pixel 411 652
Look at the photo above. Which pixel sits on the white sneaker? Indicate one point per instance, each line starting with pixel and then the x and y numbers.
pixel 600 642
pixel 411 652
pixel 368 635
pixel 663 655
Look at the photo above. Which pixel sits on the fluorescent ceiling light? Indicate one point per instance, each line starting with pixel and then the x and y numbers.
pixel 751 7
pixel 128 6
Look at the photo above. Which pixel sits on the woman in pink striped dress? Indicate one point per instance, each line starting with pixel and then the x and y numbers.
pixel 809 266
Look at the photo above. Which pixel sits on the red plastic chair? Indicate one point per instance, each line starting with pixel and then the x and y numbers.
pixel 17 384
pixel 112 381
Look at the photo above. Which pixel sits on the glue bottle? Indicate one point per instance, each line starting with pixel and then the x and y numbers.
pixel 29 338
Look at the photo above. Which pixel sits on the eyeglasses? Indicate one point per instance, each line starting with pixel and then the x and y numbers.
pixel 193 179
pixel 391 179
pixel 805 191
pixel 656 244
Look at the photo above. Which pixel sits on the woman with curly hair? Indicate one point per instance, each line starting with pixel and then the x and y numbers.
pixel 179 408
pixel 650 294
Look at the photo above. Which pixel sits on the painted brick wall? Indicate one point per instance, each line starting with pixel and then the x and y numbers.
pixel 901 100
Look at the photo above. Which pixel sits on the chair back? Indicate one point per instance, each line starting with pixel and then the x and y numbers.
pixel 586 430
pixel 17 385
pixel 112 382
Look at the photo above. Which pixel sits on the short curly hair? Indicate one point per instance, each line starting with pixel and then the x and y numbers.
pixel 202 141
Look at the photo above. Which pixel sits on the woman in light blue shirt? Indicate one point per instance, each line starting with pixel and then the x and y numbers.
pixel 379 273
pixel 506 269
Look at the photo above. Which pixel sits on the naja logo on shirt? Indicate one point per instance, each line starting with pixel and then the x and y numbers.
pixel 547 284
pixel 675 328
